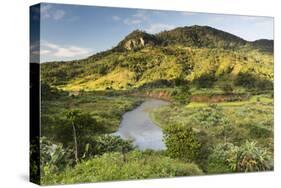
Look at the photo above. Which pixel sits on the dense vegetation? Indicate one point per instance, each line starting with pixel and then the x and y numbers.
pixel 220 117
pixel 118 166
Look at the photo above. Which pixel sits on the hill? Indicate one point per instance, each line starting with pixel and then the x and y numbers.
pixel 198 55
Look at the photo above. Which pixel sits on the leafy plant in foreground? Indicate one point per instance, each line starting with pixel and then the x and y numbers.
pixel 82 125
pixel 247 158
pixel 53 157
pixel 250 157
pixel 111 166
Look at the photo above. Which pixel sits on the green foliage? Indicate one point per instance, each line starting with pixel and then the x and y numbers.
pixel 210 116
pixel 205 81
pixel 118 166
pixel 34 158
pixel 107 143
pixel 182 96
pixel 170 58
pixel 195 36
pixel 228 122
pixel 181 143
pixel 250 157
pixel 227 88
pixel 251 81
pixel 174 65
pixel 49 93
pixel 218 159
pixel 259 131
pixel 247 157
pixel 85 123
pixel 213 116
pixel 54 157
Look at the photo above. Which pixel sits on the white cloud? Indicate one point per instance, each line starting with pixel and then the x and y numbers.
pixel 45 52
pixel 155 28
pixel 71 51
pixel 129 21
pixel 49 45
pixel 49 12
pixel 58 14
pixel 59 51
pixel 141 14
pixel 116 18
pixel 45 11
pixel 137 18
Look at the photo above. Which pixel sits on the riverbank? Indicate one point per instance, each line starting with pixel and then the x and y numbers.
pixel 136 125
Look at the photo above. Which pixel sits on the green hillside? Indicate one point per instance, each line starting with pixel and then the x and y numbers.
pixel 198 55
pixel 218 118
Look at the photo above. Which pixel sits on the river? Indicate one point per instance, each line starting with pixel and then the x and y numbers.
pixel 136 125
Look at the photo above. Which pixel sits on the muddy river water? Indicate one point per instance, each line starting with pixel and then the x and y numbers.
pixel 136 125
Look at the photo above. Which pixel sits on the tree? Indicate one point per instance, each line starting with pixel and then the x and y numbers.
pixel 205 81
pixel 181 142
pixel 83 125
pixel 183 96
pixel 227 88
pixel 110 143
pixel 71 116
pixel 246 80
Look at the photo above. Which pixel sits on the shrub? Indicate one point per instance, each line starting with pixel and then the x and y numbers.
pixel 210 116
pixel 248 157
pixel 227 88
pixel 182 96
pixel 217 161
pixel 53 157
pixel 259 131
pixel 205 81
pixel 246 80
pixel 111 166
pixel 107 143
pixel 181 142
pixel 250 81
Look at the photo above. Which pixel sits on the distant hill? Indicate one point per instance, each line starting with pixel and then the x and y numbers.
pixel 193 36
pixel 197 55
pixel 201 36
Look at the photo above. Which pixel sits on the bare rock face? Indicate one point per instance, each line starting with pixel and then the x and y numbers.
pixel 134 44
pixel 137 40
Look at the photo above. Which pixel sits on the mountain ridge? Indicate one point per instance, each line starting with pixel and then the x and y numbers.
pixel 198 55
pixel 193 36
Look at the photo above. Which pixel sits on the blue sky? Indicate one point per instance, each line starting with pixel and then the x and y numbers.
pixel 73 32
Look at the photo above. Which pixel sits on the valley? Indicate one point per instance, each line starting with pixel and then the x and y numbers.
pixel 189 101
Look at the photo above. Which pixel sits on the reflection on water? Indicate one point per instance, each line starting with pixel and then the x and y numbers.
pixel 137 126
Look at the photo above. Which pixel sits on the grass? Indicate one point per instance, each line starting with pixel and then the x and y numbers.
pixel 244 117
pixel 118 166
pixel 251 119
pixel 105 109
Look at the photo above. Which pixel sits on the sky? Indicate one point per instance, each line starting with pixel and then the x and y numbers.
pixel 69 32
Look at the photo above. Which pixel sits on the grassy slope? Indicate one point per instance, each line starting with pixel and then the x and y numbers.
pixel 126 70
